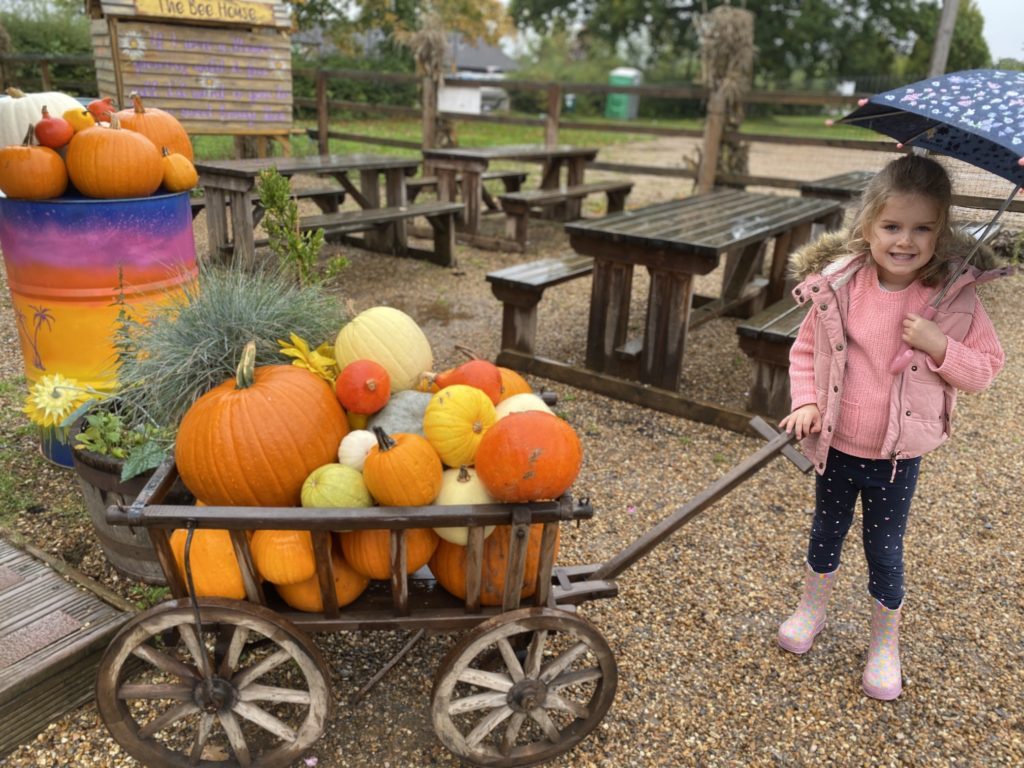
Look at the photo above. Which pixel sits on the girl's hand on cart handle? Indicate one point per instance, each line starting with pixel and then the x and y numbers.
pixel 803 421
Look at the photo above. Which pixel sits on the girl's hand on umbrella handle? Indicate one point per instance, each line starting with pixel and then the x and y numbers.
pixel 803 421
pixel 903 357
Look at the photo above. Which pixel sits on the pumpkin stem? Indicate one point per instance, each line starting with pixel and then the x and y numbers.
pixel 29 136
pixel 245 374
pixel 114 121
pixel 384 441
pixel 15 93
pixel 467 351
pixel 137 102
pixel 464 476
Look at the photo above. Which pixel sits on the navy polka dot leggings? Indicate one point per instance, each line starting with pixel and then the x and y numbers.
pixel 885 500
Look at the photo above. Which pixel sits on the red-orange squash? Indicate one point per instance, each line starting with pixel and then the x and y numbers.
pixel 529 456
pixel 253 440
pixel 481 374
pixel 305 595
pixel 369 551
pixel 448 565
pixel 363 386
pixel 215 570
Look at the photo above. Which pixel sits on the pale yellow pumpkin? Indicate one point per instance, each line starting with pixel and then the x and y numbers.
pixel 455 420
pixel 335 485
pixel 461 486
pixel 519 403
pixel 390 337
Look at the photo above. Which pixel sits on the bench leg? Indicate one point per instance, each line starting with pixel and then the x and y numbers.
pixel 611 292
pixel 769 390
pixel 616 201
pixel 517 225
pixel 668 314
pixel 444 239
pixel 518 318
pixel 329 202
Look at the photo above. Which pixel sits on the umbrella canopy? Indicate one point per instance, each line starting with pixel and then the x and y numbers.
pixel 976 116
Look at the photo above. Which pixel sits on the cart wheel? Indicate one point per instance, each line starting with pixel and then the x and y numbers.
pixel 538 703
pixel 251 691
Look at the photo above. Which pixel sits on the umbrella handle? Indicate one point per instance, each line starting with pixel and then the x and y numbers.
pixel 902 359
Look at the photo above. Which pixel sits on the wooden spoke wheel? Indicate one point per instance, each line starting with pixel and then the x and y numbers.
pixel 538 702
pixel 250 690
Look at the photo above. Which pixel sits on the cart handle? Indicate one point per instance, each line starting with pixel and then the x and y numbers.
pixel 779 443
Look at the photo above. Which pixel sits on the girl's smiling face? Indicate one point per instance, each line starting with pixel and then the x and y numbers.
pixel 902 238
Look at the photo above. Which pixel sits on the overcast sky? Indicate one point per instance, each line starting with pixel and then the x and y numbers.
pixel 1004 27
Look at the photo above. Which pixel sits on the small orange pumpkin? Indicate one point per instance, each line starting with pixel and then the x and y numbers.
pixel 448 564
pixel 512 383
pixel 179 173
pixel 215 570
pixel 363 386
pixel 283 557
pixel 402 470
pixel 305 595
pixel 529 456
pixel 369 551
pixel 110 162
pixel 31 173
pixel 162 128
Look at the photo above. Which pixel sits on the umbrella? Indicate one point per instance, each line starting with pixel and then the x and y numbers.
pixel 976 116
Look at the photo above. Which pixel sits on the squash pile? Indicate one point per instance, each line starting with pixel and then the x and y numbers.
pixel 385 432
pixel 101 152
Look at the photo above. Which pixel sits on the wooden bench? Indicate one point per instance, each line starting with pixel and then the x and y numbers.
pixel 517 205
pixel 328 200
pixel 520 289
pixel 441 215
pixel 513 181
pixel 766 338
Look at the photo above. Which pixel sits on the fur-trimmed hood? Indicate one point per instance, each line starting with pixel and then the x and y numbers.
pixel 831 246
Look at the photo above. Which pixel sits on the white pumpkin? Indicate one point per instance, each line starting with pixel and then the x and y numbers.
pixel 461 486
pixel 355 446
pixel 20 110
pixel 390 337
pixel 521 402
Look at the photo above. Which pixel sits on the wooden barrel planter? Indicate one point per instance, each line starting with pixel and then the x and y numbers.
pixel 128 549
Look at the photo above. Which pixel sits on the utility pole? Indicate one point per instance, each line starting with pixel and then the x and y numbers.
pixel 943 38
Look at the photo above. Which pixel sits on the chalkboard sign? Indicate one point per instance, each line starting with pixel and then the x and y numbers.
pixel 219 66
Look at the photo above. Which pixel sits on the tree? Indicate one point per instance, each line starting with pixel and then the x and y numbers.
pixel 968 49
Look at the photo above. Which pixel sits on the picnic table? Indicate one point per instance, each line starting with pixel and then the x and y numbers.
pixel 673 241
pixel 470 163
pixel 231 184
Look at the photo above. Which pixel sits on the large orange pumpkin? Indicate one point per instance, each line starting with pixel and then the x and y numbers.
pixel 529 456
pixel 160 127
pixel 305 595
pixel 253 440
pixel 283 557
pixel 31 173
pixel 448 565
pixel 112 162
pixel 402 470
pixel 369 551
pixel 215 571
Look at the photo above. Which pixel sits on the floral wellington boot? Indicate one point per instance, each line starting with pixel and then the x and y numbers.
pixel 797 633
pixel 883 675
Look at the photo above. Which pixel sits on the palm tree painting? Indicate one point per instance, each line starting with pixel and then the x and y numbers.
pixel 40 317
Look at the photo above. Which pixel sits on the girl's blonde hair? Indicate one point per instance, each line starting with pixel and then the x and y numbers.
pixel 908 175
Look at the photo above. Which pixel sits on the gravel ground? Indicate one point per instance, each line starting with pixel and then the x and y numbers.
pixel 701 681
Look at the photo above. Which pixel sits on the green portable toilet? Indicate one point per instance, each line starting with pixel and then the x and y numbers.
pixel 623 106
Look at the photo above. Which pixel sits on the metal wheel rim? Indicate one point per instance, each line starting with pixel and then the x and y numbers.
pixel 243 619
pixel 469 747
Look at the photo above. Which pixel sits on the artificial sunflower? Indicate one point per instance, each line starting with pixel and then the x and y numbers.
pixel 320 360
pixel 53 398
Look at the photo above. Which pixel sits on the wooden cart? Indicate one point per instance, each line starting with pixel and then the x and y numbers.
pixel 217 682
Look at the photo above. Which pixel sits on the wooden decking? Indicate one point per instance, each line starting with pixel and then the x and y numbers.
pixel 52 633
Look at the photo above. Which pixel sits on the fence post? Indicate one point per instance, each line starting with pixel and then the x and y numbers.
pixel 554 115
pixel 323 117
pixel 714 124
pixel 429 108
pixel 44 71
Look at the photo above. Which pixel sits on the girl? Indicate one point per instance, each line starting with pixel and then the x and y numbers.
pixel 864 427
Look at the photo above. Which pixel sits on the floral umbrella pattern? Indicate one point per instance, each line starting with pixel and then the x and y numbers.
pixel 976 116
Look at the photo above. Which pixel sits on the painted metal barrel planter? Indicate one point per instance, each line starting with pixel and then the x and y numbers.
pixel 68 262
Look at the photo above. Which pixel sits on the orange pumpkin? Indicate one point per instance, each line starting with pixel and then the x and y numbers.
pixel 179 173
pixel 162 128
pixel 402 470
pixel 363 386
pixel 283 557
pixel 369 551
pixel 512 384
pixel 31 173
pixel 111 162
pixel 529 456
pixel 214 566
pixel 305 595
pixel 476 373
pixel 253 440
pixel 448 565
